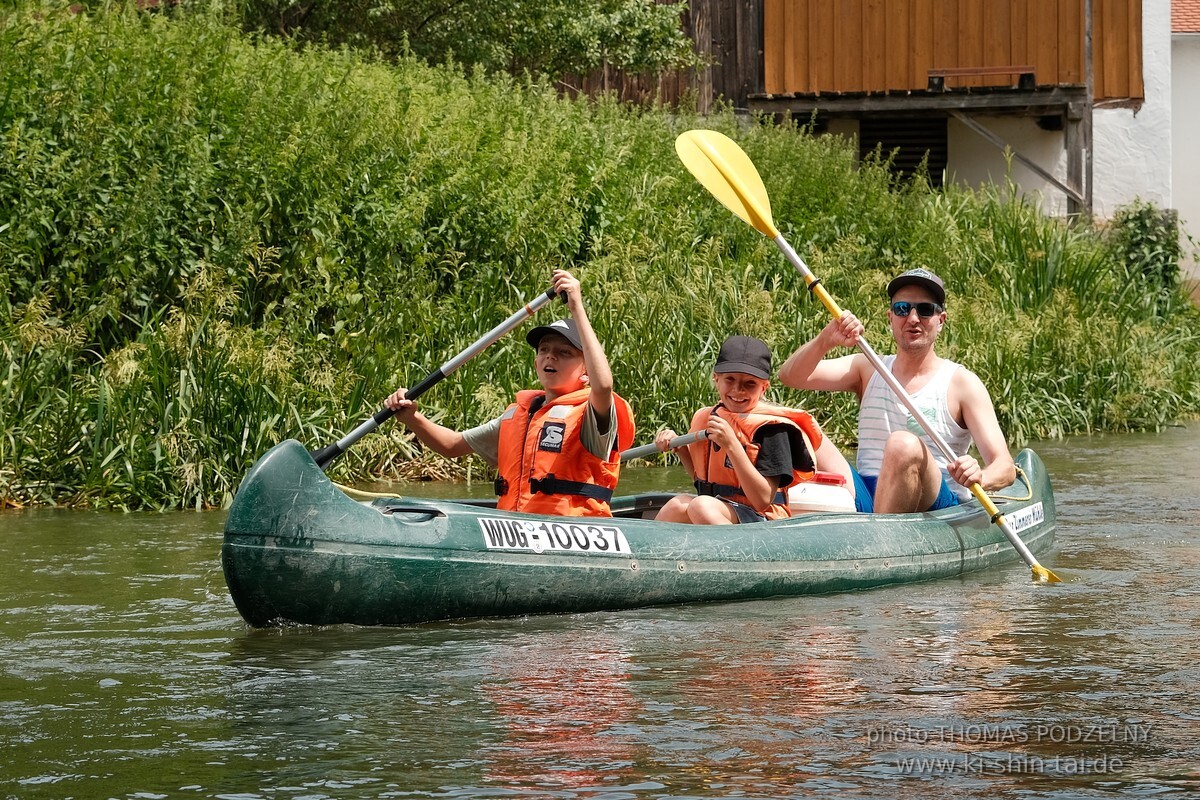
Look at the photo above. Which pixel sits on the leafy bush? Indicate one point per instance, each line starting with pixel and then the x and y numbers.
pixel 1146 239
pixel 541 37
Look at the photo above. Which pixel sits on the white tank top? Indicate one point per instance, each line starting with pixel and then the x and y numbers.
pixel 881 413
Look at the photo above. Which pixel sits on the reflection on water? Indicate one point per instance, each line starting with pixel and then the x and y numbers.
pixel 560 707
pixel 127 672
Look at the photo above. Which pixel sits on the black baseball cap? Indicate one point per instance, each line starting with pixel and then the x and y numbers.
pixel 919 277
pixel 745 354
pixel 563 327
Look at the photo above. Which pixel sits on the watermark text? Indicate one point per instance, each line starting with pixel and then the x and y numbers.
pixel 1108 733
pixel 1016 764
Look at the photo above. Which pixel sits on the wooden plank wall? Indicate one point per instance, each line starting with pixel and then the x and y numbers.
pixel 728 36
pixel 830 46
pixel 1116 42
pixel 817 46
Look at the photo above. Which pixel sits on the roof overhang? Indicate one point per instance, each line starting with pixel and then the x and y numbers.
pixel 1002 101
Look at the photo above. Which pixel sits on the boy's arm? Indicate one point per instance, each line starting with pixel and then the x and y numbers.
pixel 594 359
pixel 663 442
pixel 439 438
pixel 757 488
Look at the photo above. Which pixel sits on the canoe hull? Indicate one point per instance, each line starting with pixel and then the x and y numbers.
pixel 297 550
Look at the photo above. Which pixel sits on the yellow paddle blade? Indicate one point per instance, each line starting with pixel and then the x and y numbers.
pixel 729 175
pixel 1044 575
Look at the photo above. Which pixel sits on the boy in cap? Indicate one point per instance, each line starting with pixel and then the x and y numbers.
pixel 754 449
pixel 897 464
pixel 557 449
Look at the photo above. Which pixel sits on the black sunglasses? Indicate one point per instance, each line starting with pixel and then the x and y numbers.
pixel 902 308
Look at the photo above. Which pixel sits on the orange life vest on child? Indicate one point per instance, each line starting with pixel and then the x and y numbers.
pixel 715 475
pixel 544 467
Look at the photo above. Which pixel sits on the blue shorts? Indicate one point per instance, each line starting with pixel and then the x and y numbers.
pixel 864 494
pixel 745 513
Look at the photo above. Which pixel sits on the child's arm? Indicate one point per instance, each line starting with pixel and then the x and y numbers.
pixel 754 485
pixel 439 438
pixel 663 441
pixel 600 377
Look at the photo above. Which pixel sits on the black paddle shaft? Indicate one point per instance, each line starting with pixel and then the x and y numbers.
pixel 326 455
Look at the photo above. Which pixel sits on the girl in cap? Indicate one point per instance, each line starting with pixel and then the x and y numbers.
pixel 754 449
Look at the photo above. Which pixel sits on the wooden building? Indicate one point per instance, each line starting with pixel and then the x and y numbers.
pixel 893 72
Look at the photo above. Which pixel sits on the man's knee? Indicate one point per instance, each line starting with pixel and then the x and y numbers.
pixel 904 448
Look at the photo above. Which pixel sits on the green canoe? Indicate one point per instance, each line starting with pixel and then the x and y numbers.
pixel 299 551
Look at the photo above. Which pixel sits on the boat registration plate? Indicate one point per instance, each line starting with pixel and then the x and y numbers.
pixel 538 536
pixel 1026 518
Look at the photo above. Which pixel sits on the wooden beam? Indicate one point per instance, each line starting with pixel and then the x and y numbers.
pixel 1002 102
pixel 1073 132
pixel 1026 77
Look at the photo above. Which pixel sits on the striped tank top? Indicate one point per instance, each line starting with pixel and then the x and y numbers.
pixel 881 413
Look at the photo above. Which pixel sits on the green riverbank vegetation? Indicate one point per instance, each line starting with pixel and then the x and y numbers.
pixel 211 242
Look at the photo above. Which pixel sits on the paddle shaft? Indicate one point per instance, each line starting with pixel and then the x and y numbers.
pixel 326 455
pixel 652 449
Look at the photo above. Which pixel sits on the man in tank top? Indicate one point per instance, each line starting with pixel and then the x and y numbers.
pixel 899 466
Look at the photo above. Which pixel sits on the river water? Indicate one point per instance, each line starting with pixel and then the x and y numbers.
pixel 126 672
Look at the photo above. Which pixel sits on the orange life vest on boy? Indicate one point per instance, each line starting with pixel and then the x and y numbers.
pixel 715 475
pixel 544 467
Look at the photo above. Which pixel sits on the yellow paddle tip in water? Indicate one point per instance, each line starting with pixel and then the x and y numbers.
pixel 1044 575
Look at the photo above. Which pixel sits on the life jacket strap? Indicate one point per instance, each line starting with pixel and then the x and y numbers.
pixel 553 485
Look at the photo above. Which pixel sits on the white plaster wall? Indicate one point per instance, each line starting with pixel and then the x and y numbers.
pixel 1185 125
pixel 1131 151
pixel 975 161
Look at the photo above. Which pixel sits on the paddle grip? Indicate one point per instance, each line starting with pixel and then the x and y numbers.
pixel 430 380
pixel 652 449
pixel 325 456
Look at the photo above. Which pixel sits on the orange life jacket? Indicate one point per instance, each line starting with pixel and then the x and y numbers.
pixel 715 475
pixel 544 467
